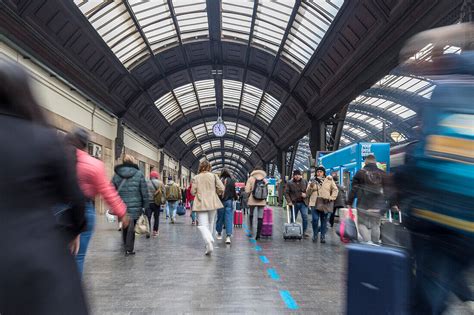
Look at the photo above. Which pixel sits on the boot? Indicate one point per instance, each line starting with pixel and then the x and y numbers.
pixel 250 222
pixel 259 228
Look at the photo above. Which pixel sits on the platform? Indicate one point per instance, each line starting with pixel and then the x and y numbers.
pixel 171 275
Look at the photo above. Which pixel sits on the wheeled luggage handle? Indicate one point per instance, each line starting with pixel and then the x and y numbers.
pixel 390 219
pixel 292 212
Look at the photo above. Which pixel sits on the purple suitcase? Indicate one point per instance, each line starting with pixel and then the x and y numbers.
pixel 267 227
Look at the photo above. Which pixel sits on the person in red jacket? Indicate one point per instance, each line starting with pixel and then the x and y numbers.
pixel 93 181
pixel 190 200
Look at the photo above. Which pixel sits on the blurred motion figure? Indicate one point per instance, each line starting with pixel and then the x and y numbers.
pixel 37 272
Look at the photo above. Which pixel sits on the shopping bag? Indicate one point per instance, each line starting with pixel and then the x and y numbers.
pixel 347 229
pixel 110 217
pixel 180 210
pixel 142 226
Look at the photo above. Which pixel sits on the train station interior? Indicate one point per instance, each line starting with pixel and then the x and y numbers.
pixel 272 85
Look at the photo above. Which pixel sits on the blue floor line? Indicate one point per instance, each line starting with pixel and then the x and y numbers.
pixel 288 299
pixel 273 274
pixel 264 259
pixel 245 226
pixel 252 240
pixel 258 248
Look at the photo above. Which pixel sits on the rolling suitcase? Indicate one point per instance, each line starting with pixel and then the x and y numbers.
pixel 267 227
pixel 378 280
pixel 238 218
pixel 292 230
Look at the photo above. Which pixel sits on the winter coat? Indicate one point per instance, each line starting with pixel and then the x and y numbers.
pixel 93 181
pixel 168 190
pixel 366 199
pixel 257 174
pixel 152 185
pixel 189 196
pixel 322 194
pixel 36 175
pixel 340 201
pixel 134 191
pixel 294 191
pixel 207 188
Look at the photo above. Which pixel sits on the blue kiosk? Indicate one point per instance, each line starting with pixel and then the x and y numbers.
pixel 347 161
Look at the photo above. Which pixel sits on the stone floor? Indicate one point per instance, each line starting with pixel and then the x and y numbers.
pixel 171 275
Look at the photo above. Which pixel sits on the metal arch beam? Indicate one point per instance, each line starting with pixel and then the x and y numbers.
pixel 380 114
pixel 239 140
pixel 216 161
pixel 408 99
pixel 368 128
pixel 232 167
pixel 237 153
pixel 210 115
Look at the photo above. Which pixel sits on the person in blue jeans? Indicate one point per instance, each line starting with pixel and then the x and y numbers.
pixel 93 181
pixel 225 215
pixel 295 194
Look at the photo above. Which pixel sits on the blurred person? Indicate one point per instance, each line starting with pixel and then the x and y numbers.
pixel 93 181
pixel 190 200
pixel 369 186
pixel 437 204
pixel 295 194
pixel 322 192
pixel 38 274
pixel 255 204
pixel 132 188
pixel 156 197
pixel 340 201
pixel 226 214
pixel 173 197
pixel 207 188
pixel 244 201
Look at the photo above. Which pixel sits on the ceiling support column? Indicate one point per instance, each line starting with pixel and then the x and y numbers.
pixel 119 142
pixel 317 136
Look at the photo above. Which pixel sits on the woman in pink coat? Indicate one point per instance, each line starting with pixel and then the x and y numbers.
pixel 93 181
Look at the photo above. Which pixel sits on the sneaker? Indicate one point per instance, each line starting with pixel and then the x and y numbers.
pixel 193 223
pixel 148 235
pixel 306 235
pixel 219 236
pixel 315 238
pixel 172 220
pixel 227 239
pixel 156 233
pixel 128 253
pixel 209 249
pixel 323 240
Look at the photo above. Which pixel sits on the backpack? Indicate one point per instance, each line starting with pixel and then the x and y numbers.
pixel 158 196
pixel 172 193
pixel 373 186
pixel 260 190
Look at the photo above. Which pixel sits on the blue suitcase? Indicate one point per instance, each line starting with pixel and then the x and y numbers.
pixel 378 280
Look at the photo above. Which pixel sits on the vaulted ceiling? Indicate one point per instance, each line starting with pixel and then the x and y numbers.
pixel 167 67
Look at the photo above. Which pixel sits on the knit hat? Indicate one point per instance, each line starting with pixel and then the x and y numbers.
pixel 154 174
pixel 321 168
pixel 296 172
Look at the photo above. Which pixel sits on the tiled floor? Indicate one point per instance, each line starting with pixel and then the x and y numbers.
pixel 171 275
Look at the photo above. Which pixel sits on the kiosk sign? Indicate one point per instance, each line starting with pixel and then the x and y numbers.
pixel 366 149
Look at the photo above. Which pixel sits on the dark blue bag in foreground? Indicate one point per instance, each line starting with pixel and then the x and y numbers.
pixel 181 210
pixel 378 280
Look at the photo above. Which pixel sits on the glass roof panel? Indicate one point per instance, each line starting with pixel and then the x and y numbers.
pixel 169 107
pixel 192 18
pixel 231 90
pixel 114 24
pixel 312 21
pixel 268 108
pixel 154 17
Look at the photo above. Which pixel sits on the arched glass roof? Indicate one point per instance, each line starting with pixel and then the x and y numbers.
pixel 386 110
pixel 228 144
pixel 113 20
pixel 311 23
pixel 205 129
pixel 302 155
pixel 155 30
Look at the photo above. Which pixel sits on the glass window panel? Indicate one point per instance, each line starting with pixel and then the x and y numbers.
pixel 114 24
pixel 312 21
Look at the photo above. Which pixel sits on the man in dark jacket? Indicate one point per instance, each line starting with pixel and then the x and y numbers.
pixel 295 194
pixel 370 186
pixel 132 188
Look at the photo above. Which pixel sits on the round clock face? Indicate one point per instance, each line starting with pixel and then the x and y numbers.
pixel 219 129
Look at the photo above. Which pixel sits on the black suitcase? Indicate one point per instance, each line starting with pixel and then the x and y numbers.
pixel 378 280
pixel 292 230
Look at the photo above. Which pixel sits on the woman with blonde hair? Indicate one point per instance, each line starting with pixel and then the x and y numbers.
pixel 207 188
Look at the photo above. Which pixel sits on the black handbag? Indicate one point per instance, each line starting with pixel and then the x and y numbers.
pixel 64 217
